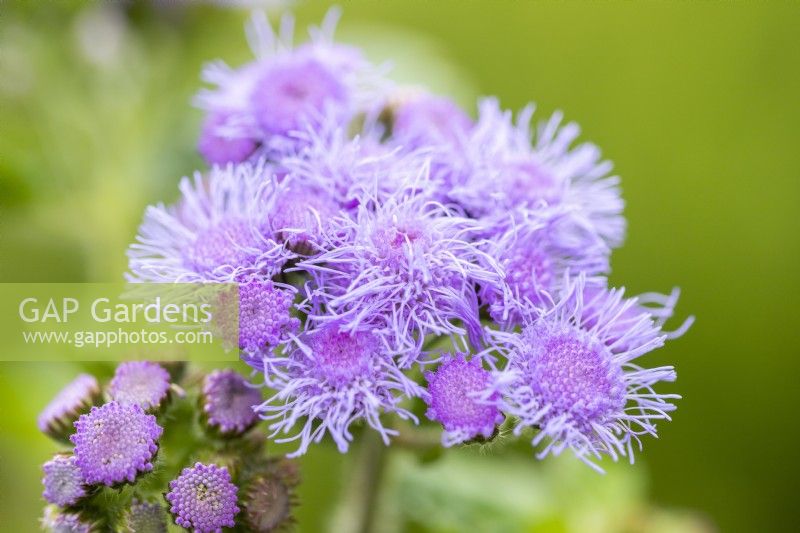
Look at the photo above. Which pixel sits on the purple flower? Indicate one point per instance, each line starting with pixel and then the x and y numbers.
pixel 265 316
pixel 535 255
pixel 63 482
pixel 286 88
pixel 203 498
pixel 580 389
pixel 220 145
pixel 498 169
pixel 115 442
pixel 659 308
pixel 460 398
pixel 405 269
pixel 425 120
pixel 216 233
pixel 300 214
pixel 145 517
pixel 351 170
pixel 293 92
pixel 229 402
pixel 331 379
pixel 75 398
pixel 57 521
pixel 139 382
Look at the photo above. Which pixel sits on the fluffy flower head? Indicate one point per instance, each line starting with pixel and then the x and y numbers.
pixel 499 169
pixel 535 256
pixel 286 89
pixel 57 521
pixel 219 147
pixel 424 120
pixel 581 388
pixel 406 269
pixel 215 233
pixel 331 379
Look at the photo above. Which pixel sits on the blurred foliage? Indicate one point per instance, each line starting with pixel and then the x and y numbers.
pixel 695 102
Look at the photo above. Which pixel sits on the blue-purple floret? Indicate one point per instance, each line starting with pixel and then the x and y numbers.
pixel 63 481
pixel 264 103
pixel 404 269
pixel 216 232
pixel 142 383
pixel 78 395
pixel 265 316
pixel 573 376
pixel 331 379
pixel 229 401
pixel 460 398
pixel 203 498
pixel 115 443
pixel 535 255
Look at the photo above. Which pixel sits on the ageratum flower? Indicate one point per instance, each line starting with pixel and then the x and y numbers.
pixel 299 215
pixel 500 170
pixel 114 443
pixel 142 383
pixel 217 232
pixel 265 316
pixel 659 307
pixel 351 170
pixel 63 481
pixel 404 269
pixel 435 127
pixel 284 90
pixel 535 255
pixel 145 517
pixel 330 379
pixel 459 397
pixel 220 142
pixel 75 398
pixel 229 401
pixel 57 521
pixel 424 120
pixel 578 387
pixel 203 498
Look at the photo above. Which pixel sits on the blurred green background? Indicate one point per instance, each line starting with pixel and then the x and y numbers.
pixel 697 105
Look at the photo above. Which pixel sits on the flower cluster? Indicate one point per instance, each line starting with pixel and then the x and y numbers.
pixel 366 222
pixel 125 473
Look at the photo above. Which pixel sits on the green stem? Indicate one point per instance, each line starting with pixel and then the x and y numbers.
pixel 358 508
pixel 373 466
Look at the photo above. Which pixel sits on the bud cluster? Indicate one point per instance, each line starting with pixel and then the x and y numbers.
pixel 131 469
